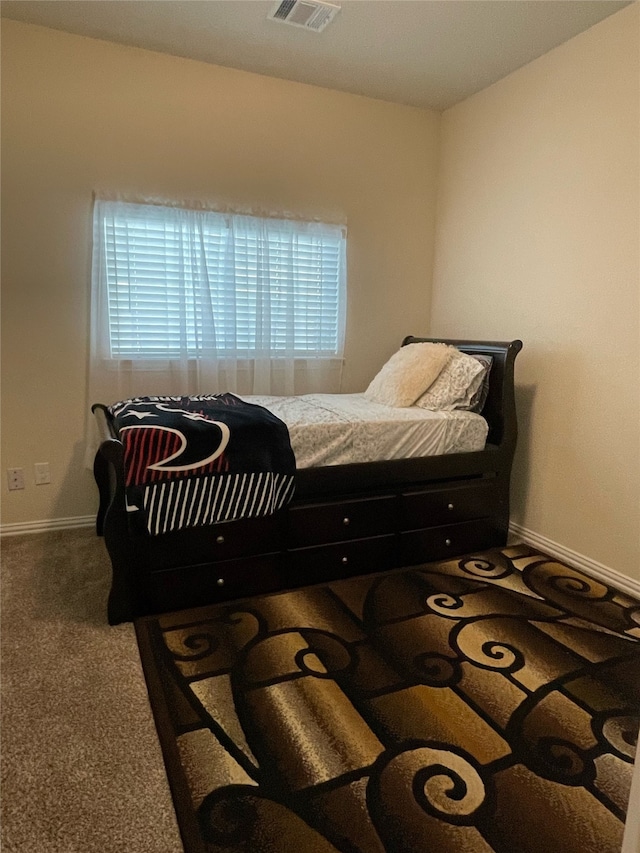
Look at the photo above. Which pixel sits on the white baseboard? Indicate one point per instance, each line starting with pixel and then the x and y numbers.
pixel 47 525
pixel 577 561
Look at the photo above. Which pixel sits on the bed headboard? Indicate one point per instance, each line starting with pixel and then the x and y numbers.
pixel 500 407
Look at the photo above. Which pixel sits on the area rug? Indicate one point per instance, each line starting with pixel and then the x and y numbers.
pixel 488 704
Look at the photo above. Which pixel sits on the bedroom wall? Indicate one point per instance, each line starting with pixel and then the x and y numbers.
pixel 80 114
pixel 537 237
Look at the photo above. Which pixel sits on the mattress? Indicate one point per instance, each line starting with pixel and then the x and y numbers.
pixel 339 429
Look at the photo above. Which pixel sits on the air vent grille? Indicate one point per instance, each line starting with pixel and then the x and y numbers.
pixel 284 9
pixel 310 14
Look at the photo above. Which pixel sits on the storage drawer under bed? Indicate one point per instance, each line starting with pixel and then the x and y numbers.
pixel 221 542
pixel 435 507
pixel 341 559
pixel 320 523
pixel 209 583
pixel 449 540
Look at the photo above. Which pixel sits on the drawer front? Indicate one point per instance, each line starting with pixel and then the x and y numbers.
pixel 450 540
pixel 316 524
pixel 193 586
pixel 240 538
pixel 343 559
pixel 448 506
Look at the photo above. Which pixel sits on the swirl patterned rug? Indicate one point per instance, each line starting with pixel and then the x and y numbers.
pixel 489 703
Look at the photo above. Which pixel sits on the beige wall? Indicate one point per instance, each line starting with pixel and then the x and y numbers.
pixel 537 237
pixel 80 114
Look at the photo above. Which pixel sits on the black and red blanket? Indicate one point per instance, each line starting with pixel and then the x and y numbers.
pixel 195 461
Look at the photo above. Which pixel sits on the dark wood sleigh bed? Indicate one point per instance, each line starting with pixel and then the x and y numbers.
pixel 344 520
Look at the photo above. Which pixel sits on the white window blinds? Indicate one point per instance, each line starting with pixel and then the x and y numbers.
pixel 196 284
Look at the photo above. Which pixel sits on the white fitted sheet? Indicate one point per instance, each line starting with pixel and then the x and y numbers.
pixel 338 429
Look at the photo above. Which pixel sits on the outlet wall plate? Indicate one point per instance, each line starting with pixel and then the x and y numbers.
pixel 42 473
pixel 15 478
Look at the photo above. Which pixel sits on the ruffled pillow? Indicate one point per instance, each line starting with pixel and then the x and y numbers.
pixel 408 373
pixel 456 384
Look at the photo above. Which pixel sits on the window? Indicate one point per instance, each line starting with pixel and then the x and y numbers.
pixel 184 283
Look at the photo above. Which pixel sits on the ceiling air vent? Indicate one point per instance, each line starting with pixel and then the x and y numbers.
pixel 310 14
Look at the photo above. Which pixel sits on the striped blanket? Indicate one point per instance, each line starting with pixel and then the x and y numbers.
pixel 196 461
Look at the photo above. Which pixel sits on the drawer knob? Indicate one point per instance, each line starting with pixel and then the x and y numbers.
pixel 346 521
pixel 345 560
pixel 449 506
pixel 220 540
pixel 220 581
pixel 447 542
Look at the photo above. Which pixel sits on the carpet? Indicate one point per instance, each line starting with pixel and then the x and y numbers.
pixel 77 732
pixel 487 704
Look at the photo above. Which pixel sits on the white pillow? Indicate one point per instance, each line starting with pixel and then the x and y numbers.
pixel 456 384
pixel 408 373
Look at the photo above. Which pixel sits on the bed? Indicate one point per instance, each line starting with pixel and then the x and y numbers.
pixel 346 518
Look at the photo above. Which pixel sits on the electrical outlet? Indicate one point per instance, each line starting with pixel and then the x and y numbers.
pixel 15 477
pixel 43 475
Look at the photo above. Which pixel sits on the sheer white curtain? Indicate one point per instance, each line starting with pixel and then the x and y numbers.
pixel 191 301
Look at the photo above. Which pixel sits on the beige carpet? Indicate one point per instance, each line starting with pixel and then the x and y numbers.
pixel 82 770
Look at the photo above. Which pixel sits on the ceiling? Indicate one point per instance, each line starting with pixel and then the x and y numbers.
pixel 426 53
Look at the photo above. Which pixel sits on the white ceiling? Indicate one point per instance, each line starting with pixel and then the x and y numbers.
pixel 428 53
